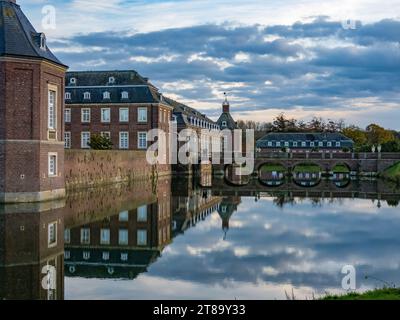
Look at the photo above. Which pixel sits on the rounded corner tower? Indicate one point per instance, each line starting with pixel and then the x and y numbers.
pixel 31 112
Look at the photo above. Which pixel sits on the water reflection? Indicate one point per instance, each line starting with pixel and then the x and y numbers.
pixel 200 238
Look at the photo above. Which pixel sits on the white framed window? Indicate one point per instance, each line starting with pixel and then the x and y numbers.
pixel 86 255
pixel 106 256
pixel 337 143
pixel 278 143
pixel 85 115
pixel 67 140
pixel 142 140
pixel 142 213
pixel 224 123
pixel 67 235
pixel 312 144
pixel 72 81
pixel 286 144
pixel 111 80
pixel 142 114
pixel 52 109
pixel 106 95
pixel 67 115
pixel 269 143
pixel 105 115
pixel 85 139
pixel 303 144
pixel 320 143
pixel 86 95
pixel 67 255
pixel 52 159
pixel 123 114
pixel 52 234
pixel 124 256
pixel 123 237
pixel 294 143
pixel 124 95
pixel 123 216
pixel 329 144
pixel 106 134
pixel 124 140
pixel 68 96
pixel 105 236
pixel 142 237
pixel 85 236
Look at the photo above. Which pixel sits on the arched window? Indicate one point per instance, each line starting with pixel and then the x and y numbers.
pixel 124 95
pixel 106 95
pixel 86 96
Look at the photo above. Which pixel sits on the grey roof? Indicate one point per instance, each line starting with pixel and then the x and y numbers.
pixel 230 123
pixel 304 136
pixel 184 112
pixel 101 78
pixel 18 37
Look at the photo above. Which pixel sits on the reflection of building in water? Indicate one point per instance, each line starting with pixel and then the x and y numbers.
pixel 226 208
pixel 121 245
pixel 31 251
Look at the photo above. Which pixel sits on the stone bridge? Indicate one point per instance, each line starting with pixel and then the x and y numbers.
pixel 362 163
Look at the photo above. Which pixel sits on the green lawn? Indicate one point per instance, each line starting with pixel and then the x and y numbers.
pixel 340 168
pixel 377 294
pixel 392 173
pixel 307 168
pixel 269 167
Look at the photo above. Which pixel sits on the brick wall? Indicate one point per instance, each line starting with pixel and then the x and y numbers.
pixel 84 168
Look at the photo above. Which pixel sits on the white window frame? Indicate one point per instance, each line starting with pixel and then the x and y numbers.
pixel 123 111
pixel 142 119
pixel 68 96
pixel 105 255
pixel 105 236
pixel 320 144
pixel 85 235
pixel 141 239
pixel 111 80
pixel 67 115
pixel 67 235
pixel 67 139
pixel 139 140
pixel 106 95
pixel 329 144
pixel 312 144
pixel 86 95
pixel 83 146
pixel 85 115
pixel 338 144
pixel 124 140
pixel 304 144
pixel 142 213
pixel 224 123
pixel 52 168
pixel 52 108
pixel 72 80
pixel 294 143
pixel 278 143
pixel 122 241
pixel 52 241
pixel 124 256
pixel 124 95
pixel 105 111
pixel 269 143
pixel 286 143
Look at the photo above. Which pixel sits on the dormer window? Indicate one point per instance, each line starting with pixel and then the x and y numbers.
pixel 224 123
pixel 106 95
pixel 67 95
pixel 124 95
pixel 42 40
pixel 86 96
pixel 111 80
pixel 72 81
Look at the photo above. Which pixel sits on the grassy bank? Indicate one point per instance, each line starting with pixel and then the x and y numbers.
pixel 307 168
pixel 392 173
pixel 377 294
pixel 340 168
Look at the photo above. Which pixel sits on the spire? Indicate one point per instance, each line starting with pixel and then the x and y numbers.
pixel 225 104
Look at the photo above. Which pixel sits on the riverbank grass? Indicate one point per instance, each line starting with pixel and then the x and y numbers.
pixel 307 168
pixel 377 294
pixel 392 173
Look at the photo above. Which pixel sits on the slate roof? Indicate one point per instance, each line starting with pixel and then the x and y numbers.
pixel 307 137
pixel 230 123
pixel 101 78
pixel 184 112
pixel 18 37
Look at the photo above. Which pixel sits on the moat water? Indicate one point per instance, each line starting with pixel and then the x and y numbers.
pixel 180 239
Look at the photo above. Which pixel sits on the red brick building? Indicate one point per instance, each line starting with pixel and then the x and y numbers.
pixel 31 117
pixel 121 105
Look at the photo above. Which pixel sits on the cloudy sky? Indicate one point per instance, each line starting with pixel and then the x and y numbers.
pixel 269 56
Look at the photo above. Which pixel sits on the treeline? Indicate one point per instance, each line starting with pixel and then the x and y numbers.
pixel 365 139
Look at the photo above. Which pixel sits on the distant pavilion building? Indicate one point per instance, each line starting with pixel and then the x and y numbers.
pixel 328 142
